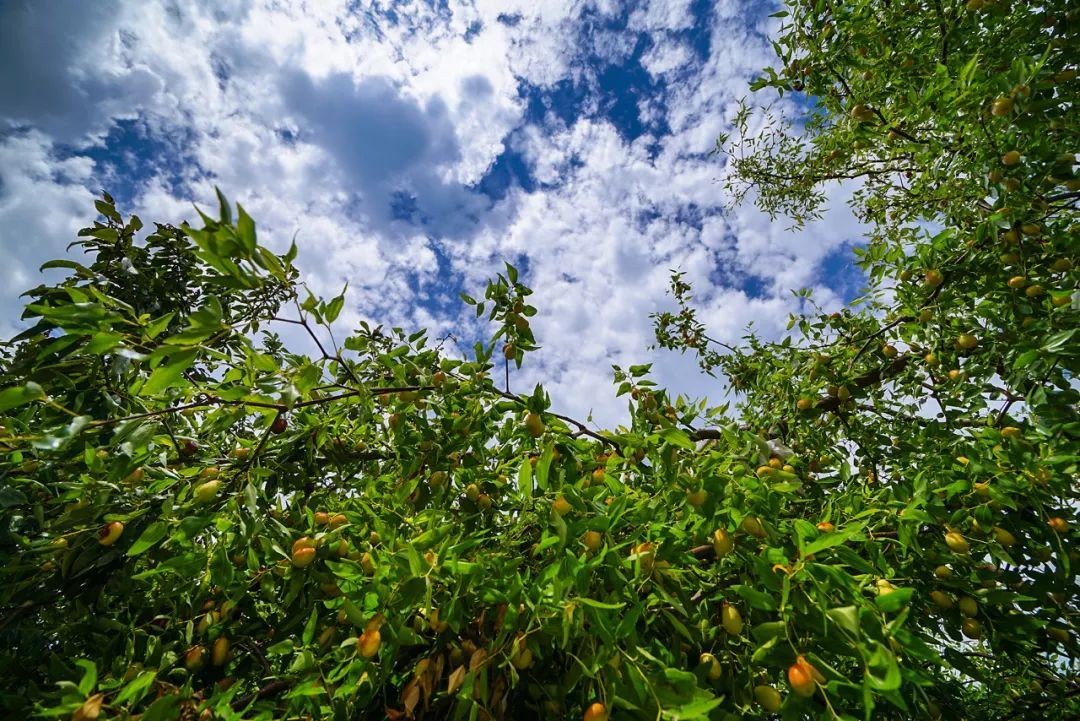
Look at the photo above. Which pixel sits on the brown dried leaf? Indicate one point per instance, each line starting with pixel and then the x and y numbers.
pixel 456 679
pixel 477 659
pixel 426 680
pixel 411 696
pixel 90 709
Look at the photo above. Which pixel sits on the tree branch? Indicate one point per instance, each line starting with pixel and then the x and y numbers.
pixel 273 688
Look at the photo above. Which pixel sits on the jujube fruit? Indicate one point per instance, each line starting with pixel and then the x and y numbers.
pixel 110 533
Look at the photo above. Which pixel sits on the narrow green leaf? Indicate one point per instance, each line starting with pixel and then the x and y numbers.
pixel 136 689
pixel 524 478
pixel 586 601
pixel 245 230
pixel 170 373
pixel 89 677
pixel 224 212
pixel 310 626
pixel 149 538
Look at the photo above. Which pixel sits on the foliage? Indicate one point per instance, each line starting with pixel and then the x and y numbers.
pixel 198 523
pixel 951 382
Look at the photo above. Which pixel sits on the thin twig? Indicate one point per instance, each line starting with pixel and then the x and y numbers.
pixel 262 443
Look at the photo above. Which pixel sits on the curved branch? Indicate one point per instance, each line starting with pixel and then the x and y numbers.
pixel 273 688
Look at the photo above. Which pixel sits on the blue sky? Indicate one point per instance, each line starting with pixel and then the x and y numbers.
pixel 411 147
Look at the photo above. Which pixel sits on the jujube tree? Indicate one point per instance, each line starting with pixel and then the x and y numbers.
pixel 198 522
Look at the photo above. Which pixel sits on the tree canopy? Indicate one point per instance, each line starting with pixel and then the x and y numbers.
pixel 198 522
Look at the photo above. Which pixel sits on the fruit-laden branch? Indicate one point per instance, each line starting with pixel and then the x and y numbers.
pixel 873 378
pixel 889 326
pixel 209 401
pixel 582 428
pixel 827 403
pixel 707 552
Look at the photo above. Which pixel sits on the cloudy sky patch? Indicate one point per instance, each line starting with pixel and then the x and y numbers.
pixel 412 147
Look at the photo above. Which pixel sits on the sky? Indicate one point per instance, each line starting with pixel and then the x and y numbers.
pixel 411 148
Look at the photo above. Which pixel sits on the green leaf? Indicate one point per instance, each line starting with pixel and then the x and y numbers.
pixel 756 598
pixel 15 396
pixel 676 437
pixel 411 592
pixel 89 677
pixel 56 438
pixel 543 465
pixel 829 540
pixel 165 708
pixel 585 600
pixel 968 71
pixel 170 373
pixel 524 478
pixel 224 212
pixel 149 538
pixel 356 617
pixel 245 230
pixel 156 326
pixel 69 264
pixel 699 710
pixel 108 210
pixel 281 648
pixel 12 497
pixel 894 600
pixel 763 653
pixel 847 617
pixel 770 629
pixel 102 342
pixel 310 626
pixel 136 688
pixel 882 671
pixel 333 308
pixel 1058 341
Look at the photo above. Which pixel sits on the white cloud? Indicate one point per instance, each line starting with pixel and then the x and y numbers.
pixel 664 57
pixel 662 15
pixel 42 199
